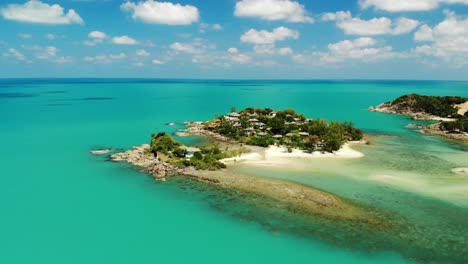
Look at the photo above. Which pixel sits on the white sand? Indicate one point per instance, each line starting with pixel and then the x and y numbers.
pixel 274 155
pixel 460 170
pixel 462 108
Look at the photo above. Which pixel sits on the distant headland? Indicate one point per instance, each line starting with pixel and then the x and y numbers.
pixel 451 112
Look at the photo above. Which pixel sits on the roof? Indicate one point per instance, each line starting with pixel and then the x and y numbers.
pixel 262 134
pixel 253 120
pixel 234 114
pixel 303 133
pixel 277 136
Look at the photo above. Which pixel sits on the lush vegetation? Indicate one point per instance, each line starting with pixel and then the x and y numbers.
pixel 208 158
pixel 441 106
pixel 264 127
pixel 460 125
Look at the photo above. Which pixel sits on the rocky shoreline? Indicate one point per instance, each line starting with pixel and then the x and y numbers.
pixel 388 108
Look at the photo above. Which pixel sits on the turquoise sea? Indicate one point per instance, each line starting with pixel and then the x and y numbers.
pixel 60 204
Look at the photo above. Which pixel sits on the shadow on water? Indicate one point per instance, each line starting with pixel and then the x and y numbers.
pixel 418 242
pixel 85 99
pixel 17 95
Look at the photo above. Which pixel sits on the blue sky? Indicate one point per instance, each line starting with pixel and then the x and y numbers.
pixel 235 39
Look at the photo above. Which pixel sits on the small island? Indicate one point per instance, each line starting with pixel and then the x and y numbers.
pixel 254 132
pixel 451 112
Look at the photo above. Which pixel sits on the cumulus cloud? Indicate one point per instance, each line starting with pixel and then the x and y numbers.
pixel 233 50
pixel 267 37
pixel 287 10
pixel 364 49
pixel 35 11
pixel 142 52
pixel 97 35
pixel 197 46
pixel 124 40
pixel 154 12
pixel 270 49
pixel 158 62
pixel 407 5
pixel 184 47
pixel 240 58
pixel 375 26
pixel 105 59
pixel 449 39
pixel 210 27
pixel 424 33
pixel 11 52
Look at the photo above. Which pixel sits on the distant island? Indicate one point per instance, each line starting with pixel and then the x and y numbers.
pixel 451 112
pixel 259 135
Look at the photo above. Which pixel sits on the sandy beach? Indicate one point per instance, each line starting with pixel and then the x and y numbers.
pixel 277 156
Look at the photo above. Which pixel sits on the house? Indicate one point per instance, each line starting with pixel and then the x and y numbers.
pixel 277 136
pixel 253 120
pixel 262 134
pixel 249 131
pixel 304 134
pixel 272 114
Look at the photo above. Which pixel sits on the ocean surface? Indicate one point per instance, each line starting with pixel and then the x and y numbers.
pixel 60 204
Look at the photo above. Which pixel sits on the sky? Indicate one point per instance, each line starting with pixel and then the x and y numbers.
pixel 235 39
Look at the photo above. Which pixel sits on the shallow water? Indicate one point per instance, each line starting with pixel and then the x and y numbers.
pixel 59 204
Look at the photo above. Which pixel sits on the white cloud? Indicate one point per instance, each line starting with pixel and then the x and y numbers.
pixel 66 59
pixel 47 53
pixel 375 26
pixel 138 64
pixel 241 58
pixel 24 36
pixel 142 52
pixel 50 36
pixel 197 46
pixel 184 47
pixel 118 56
pixel 338 16
pixel 449 39
pixel 124 40
pixel 424 34
pixel 158 62
pixel 155 12
pixel 267 37
pixel 270 49
pixel 14 53
pixel 287 10
pixel 35 11
pixel 213 27
pixel 407 5
pixel 362 49
pixel 233 50
pixel 105 59
pixel 97 35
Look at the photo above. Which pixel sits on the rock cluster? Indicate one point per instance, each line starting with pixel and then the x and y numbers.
pixel 139 156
